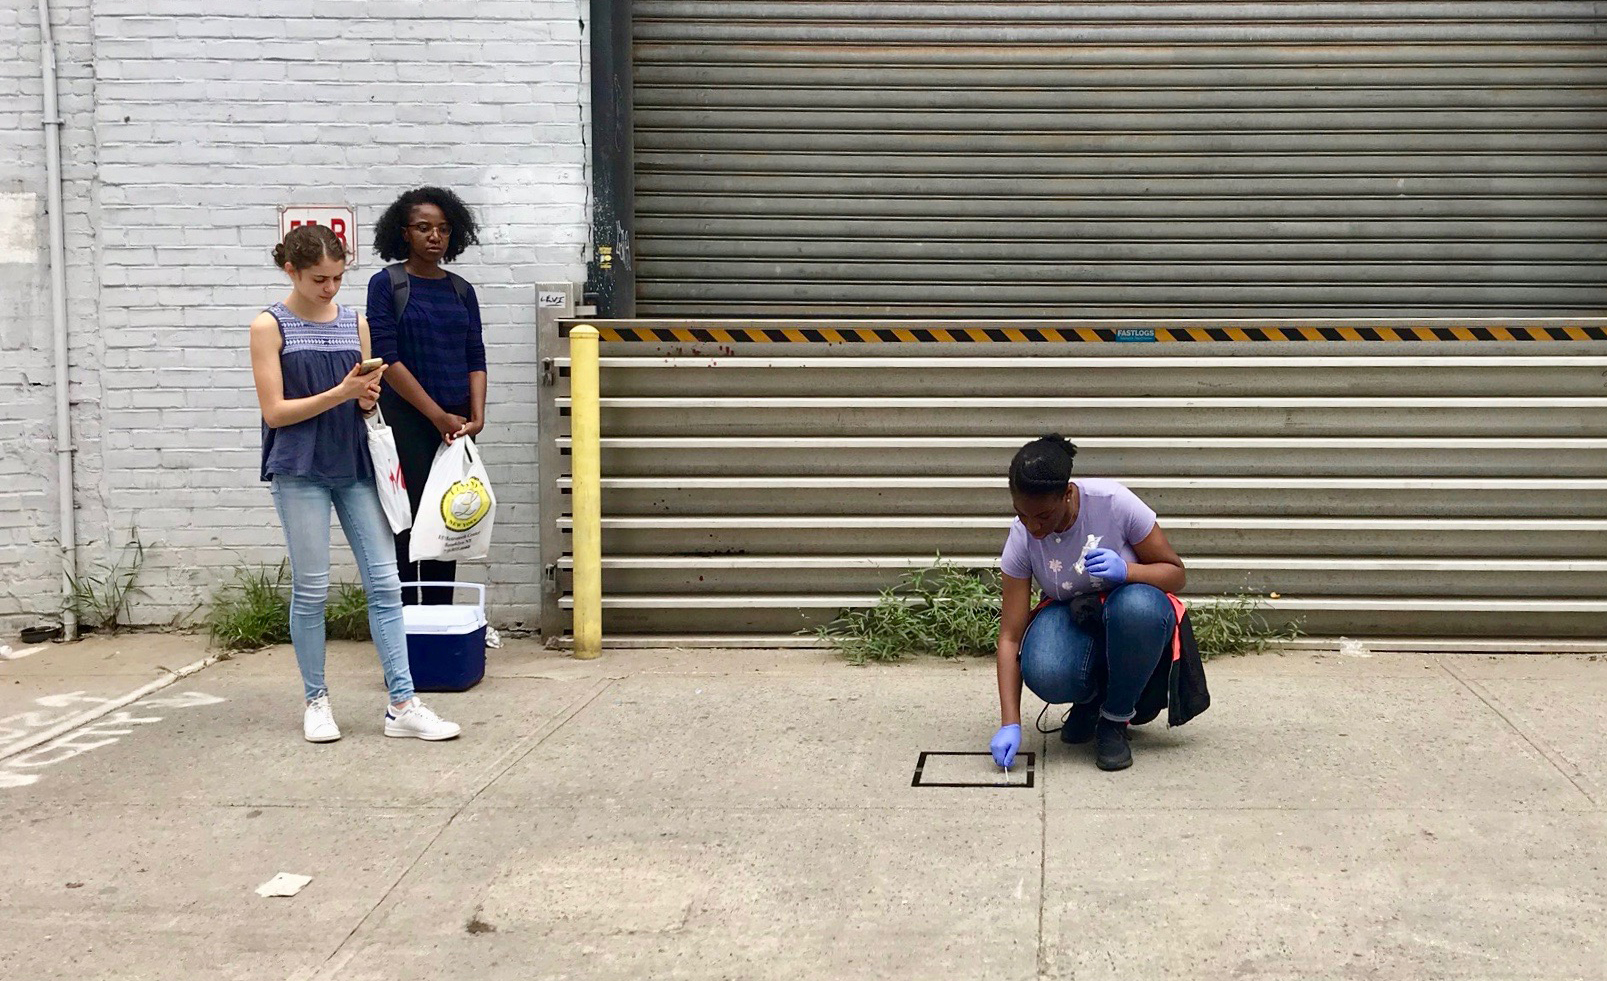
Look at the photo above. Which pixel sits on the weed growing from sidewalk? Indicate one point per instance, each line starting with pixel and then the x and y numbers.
pixel 254 610
pixel 943 610
pixel 346 616
pixel 949 611
pixel 1234 625
pixel 99 600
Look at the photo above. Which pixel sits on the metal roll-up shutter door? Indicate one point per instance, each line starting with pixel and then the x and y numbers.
pixel 1437 493
pixel 1127 159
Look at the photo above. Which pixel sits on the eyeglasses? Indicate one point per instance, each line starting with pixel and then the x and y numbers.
pixel 424 227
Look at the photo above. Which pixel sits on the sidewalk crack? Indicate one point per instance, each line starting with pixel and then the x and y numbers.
pixel 1546 753
pixel 1043 857
pixel 340 956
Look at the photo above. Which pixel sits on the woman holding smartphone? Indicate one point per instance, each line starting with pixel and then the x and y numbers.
pixel 314 388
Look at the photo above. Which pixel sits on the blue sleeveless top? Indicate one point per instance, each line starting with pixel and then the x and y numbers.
pixel 331 446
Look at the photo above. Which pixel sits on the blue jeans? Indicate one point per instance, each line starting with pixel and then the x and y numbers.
pixel 303 504
pixel 1063 662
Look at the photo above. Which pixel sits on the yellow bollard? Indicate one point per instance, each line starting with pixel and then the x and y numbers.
pixel 586 496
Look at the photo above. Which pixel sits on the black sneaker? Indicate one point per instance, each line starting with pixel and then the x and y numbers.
pixel 1114 753
pixel 1078 726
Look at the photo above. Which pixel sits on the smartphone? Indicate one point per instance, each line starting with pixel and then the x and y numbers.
pixel 370 365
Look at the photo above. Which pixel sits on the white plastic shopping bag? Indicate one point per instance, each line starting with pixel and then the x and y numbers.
pixel 454 518
pixel 388 473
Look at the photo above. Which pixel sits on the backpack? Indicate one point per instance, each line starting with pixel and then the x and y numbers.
pixel 399 287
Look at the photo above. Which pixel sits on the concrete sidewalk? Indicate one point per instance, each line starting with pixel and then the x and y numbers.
pixel 742 814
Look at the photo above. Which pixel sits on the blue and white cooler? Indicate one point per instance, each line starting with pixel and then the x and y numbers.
pixel 446 644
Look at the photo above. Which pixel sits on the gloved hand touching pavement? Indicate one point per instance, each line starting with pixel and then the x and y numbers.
pixel 1004 745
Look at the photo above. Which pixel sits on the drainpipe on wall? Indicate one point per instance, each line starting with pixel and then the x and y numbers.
pixel 58 318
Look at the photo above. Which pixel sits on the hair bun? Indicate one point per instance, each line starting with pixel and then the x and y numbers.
pixel 1060 441
pixel 308 245
pixel 1043 466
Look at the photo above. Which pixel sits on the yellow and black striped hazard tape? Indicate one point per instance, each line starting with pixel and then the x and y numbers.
pixel 814 334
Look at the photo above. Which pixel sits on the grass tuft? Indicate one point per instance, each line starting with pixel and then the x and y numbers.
pixel 942 610
pixel 948 611
pixel 254 611
pixel 346 615
pixel 99 600
pixel 1233 625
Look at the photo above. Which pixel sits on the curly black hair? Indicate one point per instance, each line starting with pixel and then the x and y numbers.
pixel 391 243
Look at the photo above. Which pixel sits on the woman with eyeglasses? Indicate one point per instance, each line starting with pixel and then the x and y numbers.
pixel 425 323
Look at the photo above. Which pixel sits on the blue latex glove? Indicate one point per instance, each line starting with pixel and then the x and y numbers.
pixel 1005 743
pixel 1104 564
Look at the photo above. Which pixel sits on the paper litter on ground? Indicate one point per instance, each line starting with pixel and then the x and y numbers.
pixel 283 884
pixel 1352 648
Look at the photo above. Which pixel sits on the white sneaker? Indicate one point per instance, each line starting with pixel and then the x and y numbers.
pixel 318 724
pixel 418 722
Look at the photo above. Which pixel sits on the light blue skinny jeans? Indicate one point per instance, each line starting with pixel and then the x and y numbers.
pixel 1062 662
pixel 303 504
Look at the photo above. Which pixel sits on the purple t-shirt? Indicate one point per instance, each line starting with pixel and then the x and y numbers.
pixel 1109 512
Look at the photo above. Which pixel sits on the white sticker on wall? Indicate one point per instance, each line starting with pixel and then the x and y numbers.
pixel 19 227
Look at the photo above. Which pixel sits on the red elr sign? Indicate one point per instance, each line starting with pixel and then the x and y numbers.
pixel 338 218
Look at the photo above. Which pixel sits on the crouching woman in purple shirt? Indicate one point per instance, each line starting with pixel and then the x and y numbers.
pixel 426 325
pixel 1104 567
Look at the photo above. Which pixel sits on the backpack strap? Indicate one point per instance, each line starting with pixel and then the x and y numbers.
pixel 399 289
pixel 460 286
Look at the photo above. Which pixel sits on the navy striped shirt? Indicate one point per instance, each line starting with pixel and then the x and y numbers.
pixel 439 339
pixel 313 358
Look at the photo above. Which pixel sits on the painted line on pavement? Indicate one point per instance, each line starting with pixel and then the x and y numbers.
pixel 106 708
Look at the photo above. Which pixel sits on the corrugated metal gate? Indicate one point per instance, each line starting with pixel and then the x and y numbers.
pixel 1319 164
pixel 1211 159
pixel 1455 489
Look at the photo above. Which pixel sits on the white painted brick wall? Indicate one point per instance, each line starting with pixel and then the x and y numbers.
pixel 203 124
pixel 29 520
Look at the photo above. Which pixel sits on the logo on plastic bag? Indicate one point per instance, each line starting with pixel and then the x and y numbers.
pixel 465 503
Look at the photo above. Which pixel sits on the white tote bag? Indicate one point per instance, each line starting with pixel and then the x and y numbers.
pixel 454 518
pixel 388 473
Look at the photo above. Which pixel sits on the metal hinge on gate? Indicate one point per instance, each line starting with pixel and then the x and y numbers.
pixel 549 373
pixel 549 578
